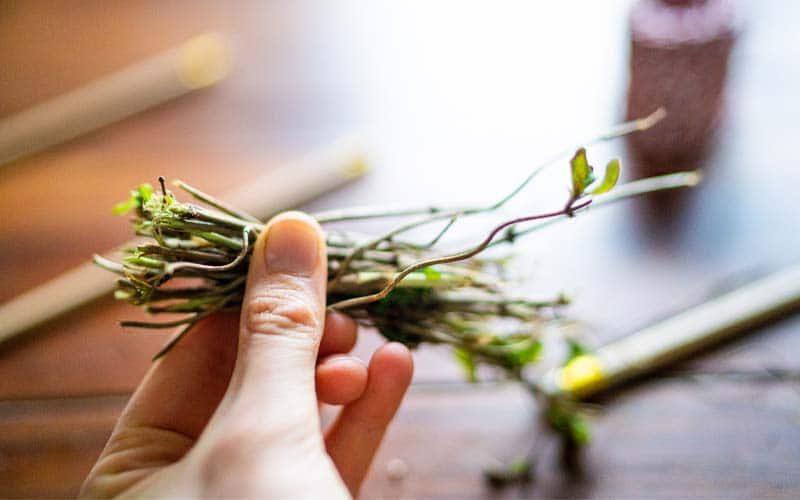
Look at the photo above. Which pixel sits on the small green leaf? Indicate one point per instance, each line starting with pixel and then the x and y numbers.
pixel 145 191
pixel 431 274
pixel 138 198
pixel 610 178
pixel 467 362
pixel 582 174
pixel 569 423
pixel 126 206
pixel 528 353
pixel 579 430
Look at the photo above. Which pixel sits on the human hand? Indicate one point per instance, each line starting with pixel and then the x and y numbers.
pixel 221 418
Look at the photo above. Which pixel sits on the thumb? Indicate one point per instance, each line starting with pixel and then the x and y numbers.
pixel 282 320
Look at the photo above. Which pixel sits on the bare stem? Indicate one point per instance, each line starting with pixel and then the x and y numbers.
pixel 621 192
pixel 213 202
pixel 620 130
pixel 176 266
pixel 372 212
pixel 466 254
pixel 435 214
pixel 376 212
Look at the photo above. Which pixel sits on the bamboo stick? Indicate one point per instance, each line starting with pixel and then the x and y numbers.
pixel 678 337
pixel 197 63
pixel 281 188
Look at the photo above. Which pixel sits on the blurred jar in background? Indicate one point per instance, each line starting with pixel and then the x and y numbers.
pixel 679 61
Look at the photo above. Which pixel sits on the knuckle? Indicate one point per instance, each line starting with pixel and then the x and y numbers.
pixel 282 310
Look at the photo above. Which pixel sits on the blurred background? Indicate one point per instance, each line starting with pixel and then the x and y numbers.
pixel 454 102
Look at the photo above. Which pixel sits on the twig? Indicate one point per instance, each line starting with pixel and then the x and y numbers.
pixel 213 202
pixel 375 212
pixel 437 214
pixel 466 254
pixel 622 192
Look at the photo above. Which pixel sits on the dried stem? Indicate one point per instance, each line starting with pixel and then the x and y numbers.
pixel 374 212
pixel 436 214
pixel 463 255
pixel 408 291
pixel 623 192
pixel 218 204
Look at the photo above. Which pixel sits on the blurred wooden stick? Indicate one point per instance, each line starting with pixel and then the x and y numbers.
pixel 279 189
pixel 197 63
pixel 678 337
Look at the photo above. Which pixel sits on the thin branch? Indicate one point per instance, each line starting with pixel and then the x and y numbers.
pixel 173 341
pixel 183 253
pixel 173 267
pixel 191 320
pixel 440 214
pixel 213 202
pixel 357 250
pixel 376 212
pixel 620 130
pixel 466 254
pixel 108 265
pixel 441 233
pixel 372 212
pixel 622 192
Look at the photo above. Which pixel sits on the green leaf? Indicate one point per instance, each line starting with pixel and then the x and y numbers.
pixel 126 206
pixel 569 423
pixel 431 274
pixel 145 191
pixel 582 173
pixel 610 178
pixel 528 353
pixel 579 430
pixel 467 362
pixel 138 198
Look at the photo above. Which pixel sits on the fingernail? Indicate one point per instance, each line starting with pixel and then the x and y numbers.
pixel 292 247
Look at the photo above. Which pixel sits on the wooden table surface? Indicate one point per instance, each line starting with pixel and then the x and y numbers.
pixel 457 102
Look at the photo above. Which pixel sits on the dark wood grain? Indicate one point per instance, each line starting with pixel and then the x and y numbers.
pixel 48 445
pixel 458 101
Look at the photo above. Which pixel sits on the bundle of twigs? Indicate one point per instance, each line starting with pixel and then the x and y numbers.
pixel 195 264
